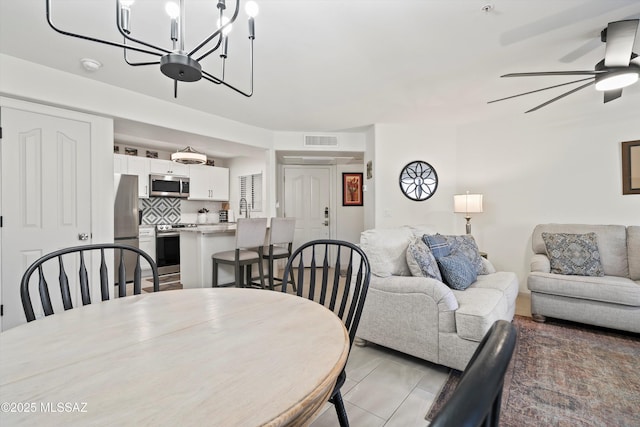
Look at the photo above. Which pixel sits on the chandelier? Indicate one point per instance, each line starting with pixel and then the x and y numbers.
pixel 177 63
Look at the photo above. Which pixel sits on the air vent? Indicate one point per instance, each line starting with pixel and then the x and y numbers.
pixel 320 141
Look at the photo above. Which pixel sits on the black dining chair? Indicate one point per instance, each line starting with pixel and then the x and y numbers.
pixel 477 398
pixel 339 285
pixel 87 268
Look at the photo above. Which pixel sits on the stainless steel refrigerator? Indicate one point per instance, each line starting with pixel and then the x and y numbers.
pixel 125 219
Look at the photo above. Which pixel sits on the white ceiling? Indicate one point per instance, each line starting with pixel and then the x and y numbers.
pixel 336 65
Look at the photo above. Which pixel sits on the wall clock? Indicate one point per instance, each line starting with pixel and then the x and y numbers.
pixel 418 180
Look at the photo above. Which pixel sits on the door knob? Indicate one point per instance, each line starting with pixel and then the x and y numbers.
pixel 83 236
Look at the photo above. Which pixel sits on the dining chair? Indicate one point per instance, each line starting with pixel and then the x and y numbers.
pixel 335 274
pixel 250 237
pixel 477 398
pixel 45 266
pixel 280 241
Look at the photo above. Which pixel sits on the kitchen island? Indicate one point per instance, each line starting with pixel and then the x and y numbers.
pixel 197 244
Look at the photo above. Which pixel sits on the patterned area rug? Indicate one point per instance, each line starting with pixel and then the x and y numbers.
pixel 567 374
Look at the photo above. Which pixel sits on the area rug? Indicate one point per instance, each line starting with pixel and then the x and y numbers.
pixel 566 374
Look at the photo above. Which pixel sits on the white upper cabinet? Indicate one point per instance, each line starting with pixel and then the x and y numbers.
pixel 120 163
pixel 208 183
pixel 140 166
pixel 167 167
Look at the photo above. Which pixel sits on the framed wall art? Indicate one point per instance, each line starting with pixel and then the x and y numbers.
pixel 351 189
pixel 631 167
pixel 418 180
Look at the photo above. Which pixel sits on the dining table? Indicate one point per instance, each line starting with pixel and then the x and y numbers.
pixel 191 357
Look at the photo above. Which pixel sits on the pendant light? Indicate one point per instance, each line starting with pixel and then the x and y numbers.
pixel 189 156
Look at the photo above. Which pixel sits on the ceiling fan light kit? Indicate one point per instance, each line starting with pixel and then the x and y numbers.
pixel 178 64
pixel 619 68
pixel 617 79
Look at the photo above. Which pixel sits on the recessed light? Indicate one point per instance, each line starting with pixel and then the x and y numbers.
pixel 90 65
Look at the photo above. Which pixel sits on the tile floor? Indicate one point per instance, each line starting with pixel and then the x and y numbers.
pixel 391 389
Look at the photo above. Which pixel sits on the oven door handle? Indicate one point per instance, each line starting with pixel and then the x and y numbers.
pixel 169 234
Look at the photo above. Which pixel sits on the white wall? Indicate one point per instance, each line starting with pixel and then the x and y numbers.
pixel 396 146
pixel 538 169
pixel 531 169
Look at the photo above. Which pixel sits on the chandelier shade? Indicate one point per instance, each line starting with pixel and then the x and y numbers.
pixel 189 156
pixel 178 63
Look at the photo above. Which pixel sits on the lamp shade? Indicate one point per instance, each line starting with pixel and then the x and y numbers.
pixel 467 203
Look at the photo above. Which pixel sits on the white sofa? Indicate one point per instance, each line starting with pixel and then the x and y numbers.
pixel 611 301
pixel 422 316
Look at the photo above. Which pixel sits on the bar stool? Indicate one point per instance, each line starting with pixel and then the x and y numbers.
pixel 280 242
pixel 250 236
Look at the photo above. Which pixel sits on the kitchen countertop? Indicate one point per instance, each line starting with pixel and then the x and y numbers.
pixel 219 227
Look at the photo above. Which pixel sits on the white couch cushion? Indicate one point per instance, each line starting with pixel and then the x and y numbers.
pixel 611 289
pixel 386 250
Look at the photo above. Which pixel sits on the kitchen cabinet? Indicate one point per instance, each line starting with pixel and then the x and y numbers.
pixel 140 166
pixel 208 183
pixel 147 243
pixel 167 167
pixel 120 163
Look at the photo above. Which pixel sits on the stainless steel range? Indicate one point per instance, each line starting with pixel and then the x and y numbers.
pixel 168 247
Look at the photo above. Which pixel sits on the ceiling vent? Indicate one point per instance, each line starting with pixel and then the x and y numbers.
pixel 320 141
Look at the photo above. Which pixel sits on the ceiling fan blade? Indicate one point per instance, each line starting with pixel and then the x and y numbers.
pixel 581 51
pixel 561 96
pixel 555 73
pixel 620 38
pixel 539 90
pixel 610 95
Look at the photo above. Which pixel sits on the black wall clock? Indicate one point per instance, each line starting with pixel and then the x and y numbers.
pixel 418 180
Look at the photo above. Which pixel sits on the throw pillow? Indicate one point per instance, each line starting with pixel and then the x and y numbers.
pixel 438 244
pixel 457 271
pixel 573 254
pixel 466 245
pixel 421 261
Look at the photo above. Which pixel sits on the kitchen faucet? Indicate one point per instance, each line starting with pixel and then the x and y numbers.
pixel 246 207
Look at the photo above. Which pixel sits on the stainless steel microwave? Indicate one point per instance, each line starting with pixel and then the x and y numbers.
pixel 168 186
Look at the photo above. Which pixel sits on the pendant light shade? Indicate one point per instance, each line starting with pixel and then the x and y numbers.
pixel 189 156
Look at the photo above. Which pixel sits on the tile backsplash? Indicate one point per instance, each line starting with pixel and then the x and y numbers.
pixel 172 210
pixel 160 210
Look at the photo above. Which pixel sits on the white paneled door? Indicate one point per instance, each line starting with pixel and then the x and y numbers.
pixel 46 196
pixel 307 195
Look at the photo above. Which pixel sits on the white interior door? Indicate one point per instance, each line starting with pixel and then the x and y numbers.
pixel 307 195
pixel 46 197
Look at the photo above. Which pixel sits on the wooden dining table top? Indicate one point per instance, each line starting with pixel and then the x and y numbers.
pixel 219 357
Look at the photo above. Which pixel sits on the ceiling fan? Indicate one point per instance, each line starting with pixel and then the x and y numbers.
pixel 619 68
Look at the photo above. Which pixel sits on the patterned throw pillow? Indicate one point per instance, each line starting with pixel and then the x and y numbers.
pixel 421 261
pixel 438 244
pixel 466 245
pixel 574 254
pixel 457 271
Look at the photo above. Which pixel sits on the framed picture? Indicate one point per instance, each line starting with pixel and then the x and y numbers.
pixel 130 151
pixel 351 189
pixel 631 167
pixel 152 154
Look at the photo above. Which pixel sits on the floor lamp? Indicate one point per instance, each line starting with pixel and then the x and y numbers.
pixel 467 204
